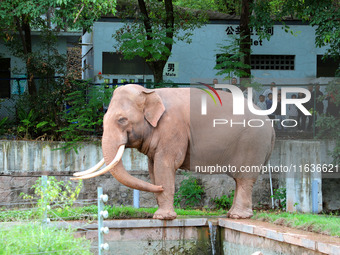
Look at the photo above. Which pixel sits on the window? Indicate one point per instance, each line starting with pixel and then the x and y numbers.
pixel 267 62
pixel 114 63
pixel 272 62
pixel 326 67
pixel 5 74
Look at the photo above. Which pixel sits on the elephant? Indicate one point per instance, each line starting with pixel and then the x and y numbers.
pixel 166 124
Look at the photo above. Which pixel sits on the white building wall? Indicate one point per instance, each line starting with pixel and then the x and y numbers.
pixel 196 61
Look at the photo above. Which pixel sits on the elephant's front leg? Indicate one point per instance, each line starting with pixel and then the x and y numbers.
pixel 164 173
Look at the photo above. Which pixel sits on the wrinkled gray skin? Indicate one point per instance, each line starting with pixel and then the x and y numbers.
pixel 167 126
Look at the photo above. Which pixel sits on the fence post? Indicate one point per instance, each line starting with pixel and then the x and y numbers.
pixel 136 198
pixel 101 216
pixel 44 198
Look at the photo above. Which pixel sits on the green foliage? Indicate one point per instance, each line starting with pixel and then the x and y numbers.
pixel 66 110
pixel 224 202
pixel 90 213
pixel 190 192
pixel 19 18
pixel 56 194
pixel 153 32
pixel 27 123
pixel 3 123
pixel 225 6
pixel 323 15
pixel 39 115
pixel 37 239
pixel 84 112
pixel 280 195
pixel 71 14
pixel 229 61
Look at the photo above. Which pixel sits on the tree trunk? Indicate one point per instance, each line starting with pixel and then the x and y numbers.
pixel 245 33
pixel 157 66
pixel 157 70
pixel 32 90
pixel 24 30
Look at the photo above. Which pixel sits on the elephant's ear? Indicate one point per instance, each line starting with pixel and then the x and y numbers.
pixel 153 107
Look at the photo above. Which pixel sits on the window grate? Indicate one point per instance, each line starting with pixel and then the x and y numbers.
pixel 272 62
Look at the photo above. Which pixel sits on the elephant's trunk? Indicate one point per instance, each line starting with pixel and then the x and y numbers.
pixel 126 179
pixel 121 175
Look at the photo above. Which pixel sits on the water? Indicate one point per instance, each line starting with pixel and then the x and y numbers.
pixel 212 232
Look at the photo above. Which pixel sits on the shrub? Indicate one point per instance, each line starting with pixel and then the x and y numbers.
pixel 280 196
pixel 224 202
pixel 56 194
pixel 190 192
pixel 38 239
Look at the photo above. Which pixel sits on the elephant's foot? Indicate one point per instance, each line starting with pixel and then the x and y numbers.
pixel 238 213
pixel 165 214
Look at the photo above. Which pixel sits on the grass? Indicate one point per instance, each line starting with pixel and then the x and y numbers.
pixel 324 224
pixel 90 213
pixel 38 239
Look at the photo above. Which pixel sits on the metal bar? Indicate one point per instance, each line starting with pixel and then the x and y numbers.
pixel 271 189
pixel 100 220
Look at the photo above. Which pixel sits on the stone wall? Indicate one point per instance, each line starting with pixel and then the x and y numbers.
pixel 22 162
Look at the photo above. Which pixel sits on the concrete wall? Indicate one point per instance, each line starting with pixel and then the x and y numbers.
pixel 22 162
pixel 203 236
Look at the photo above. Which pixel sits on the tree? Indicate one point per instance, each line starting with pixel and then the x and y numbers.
pixel 245 40
pixel 153 31
pixel 260 15
pixel 20 17
pixel 231 7
pixel 324 15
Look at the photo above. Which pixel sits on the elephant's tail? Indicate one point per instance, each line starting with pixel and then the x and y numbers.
pixel 272 147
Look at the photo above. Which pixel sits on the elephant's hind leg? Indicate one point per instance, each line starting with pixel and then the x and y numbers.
pixel 242 204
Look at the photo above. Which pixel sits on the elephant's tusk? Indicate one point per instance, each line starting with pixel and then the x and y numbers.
pixel 91 170
pixel 114 162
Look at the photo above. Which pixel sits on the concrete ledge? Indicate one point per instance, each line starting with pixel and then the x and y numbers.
pixel 301 240
pixel 151 223
pixel 236 226
pixel 129 224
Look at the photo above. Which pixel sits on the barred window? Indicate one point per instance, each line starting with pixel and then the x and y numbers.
pixel 272 62
pixel 326 67
pixel 263 62
pixel 114 63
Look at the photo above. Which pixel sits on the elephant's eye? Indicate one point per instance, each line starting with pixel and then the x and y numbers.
pixel 122 120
